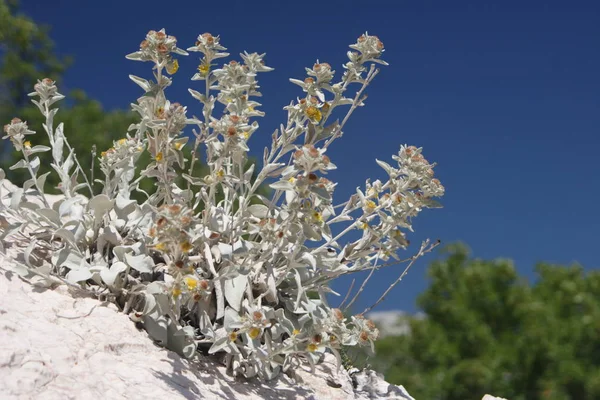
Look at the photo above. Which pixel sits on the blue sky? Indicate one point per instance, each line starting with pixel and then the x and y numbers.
pixel 504 95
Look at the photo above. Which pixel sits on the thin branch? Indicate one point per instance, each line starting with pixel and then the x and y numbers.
pixel 347 293
pixel 422 251
pixel 362 287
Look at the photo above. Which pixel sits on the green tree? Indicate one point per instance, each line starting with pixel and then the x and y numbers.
pixel 28 55
pixel 489 331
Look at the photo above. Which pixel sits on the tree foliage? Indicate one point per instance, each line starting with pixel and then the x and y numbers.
pixel 489 331
pixel 28 55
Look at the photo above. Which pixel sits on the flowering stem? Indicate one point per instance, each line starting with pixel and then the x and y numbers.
pixel 357 101
pixel 87 182
pixel 34 178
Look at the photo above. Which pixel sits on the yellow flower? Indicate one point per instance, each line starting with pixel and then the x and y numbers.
pixel 178 145
pixel 250 109
pixel 159 156
pixel 186 246
pixel 364 226
pixel 191 283
pixel 204 69
pixel 122 141
pixel 292 180
pixel 161 247
pixel 295 332
pixel 27 145
pixel 370 204
pixel 254 333
pixel 233 336
pixel 312 347
pixel 220 174
pixel 176 291
pixel 173 67
pixel 313 113
pixel 317 216
pixel 246 135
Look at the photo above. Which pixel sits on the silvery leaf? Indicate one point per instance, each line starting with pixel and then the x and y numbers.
pixel 120 251
pixel 197 95
pixel 50 215
pixel 28 184
pixel 179 340
pixel 38 149
pixel 66 235
pixel 20 164
pixel 141 263
pixel 78 275
pixel 141 82
pixel 35 165
pixel 258 210
pixel 282 185
pixel 27 253
pixel 136 56
pixel 156 325
pixel 57 146
pixel 110 275
pixel 235 289
pixel 249 172
pixel 41 180
pixel 101 204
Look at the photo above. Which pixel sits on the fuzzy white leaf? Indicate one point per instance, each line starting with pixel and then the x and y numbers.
pixel 27 253
pixel 66 235
pixel 258 210
pixel 141 82
pixel 41 180
pixel 110 275
pixel 141 263
pixel 38 149
pixel 387 167
pixel 50 214
pixel 78 275
pixel 19 164
pixel 197 95
pixel 234 291
pixel 218 284
pixel 57 146
pixel 136 56
pixel 100 204
pixel 35 165
pixel 16 198
pixel 282 185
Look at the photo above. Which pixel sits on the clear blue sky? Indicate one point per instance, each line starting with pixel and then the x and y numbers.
pixel 504 95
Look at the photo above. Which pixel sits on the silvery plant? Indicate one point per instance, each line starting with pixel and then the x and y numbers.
pixel 215 266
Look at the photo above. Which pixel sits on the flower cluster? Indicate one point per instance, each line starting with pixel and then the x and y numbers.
pixel 158 47
pixel 218 266
pixel 121 151
pixel 16 131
